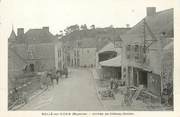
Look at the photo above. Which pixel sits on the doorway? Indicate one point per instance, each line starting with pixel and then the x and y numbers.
pixel 31 67
pixel 143 78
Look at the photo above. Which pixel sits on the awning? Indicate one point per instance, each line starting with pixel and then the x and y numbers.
pixel 114 62
pixel 141 66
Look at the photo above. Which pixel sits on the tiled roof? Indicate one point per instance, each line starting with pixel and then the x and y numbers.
pixel 100 32
pixel 161 22
pixel 114 62
pixel 39 36
pixel 35 36
pixel 87 43
pixel 108 47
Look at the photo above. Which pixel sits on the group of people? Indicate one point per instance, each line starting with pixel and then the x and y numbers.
pixel 114 83
pixel 47 77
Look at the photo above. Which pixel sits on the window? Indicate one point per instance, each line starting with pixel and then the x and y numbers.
pixel 59 53
pixel 87 51
pixel 128 51
pixel 136 48
pixel 74 53
pixel 128 47
pixel 136 52
pixel 78 53
pixel 30 52
pixel 78 63
pixel 128 56
pixel 136 56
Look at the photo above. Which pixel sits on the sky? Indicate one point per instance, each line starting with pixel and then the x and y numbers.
pixel 58 14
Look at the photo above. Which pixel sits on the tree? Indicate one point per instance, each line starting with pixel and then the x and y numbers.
pixel 60 35
pixel 111 26
pixel 71 29
pixel 84 27
pixel 92 26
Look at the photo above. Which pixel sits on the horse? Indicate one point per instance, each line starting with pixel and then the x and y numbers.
pixel 45 79
pixel 53 76
pixel 64 71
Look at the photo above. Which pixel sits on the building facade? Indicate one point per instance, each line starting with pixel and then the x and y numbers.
pixel 59 55
pixel 36 47
pixel 143 50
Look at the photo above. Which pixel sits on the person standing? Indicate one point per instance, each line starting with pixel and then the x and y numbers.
pixel 111 83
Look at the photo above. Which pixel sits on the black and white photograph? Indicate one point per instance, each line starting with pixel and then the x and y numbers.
pixel 89 55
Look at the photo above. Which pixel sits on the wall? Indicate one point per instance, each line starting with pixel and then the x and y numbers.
pixel 111 72
pixel 15 67
pixel 168 65
pixel 45 52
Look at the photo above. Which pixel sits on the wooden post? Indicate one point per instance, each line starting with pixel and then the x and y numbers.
pixel 137 78
pixel 132 76
pixel 161 56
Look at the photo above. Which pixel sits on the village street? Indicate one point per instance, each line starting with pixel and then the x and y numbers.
pixel 75 93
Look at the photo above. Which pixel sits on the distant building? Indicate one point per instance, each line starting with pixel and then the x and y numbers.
pixel 83 54
pixel 143 50
pixel 59 55
pixel 97 38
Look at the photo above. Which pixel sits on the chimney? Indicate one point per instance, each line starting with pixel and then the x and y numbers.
pixel 46 29
pixel 150 11
pixel 127 25
pixel 20 31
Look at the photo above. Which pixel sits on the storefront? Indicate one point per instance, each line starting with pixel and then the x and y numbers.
pixel 111 68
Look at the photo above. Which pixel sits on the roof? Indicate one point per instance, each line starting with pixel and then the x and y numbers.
pixel 87 43
pixel 39 36
pixel 108 47
pixel 12 36
pixel 114 62
pixel 80 34
pixel 36 36
pixel 169 46
pixel 99 37
pixel 161 22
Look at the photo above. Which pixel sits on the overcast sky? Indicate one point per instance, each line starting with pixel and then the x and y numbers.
pixel 58 14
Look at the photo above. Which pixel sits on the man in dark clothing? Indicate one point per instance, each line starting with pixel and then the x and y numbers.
pixel 111 83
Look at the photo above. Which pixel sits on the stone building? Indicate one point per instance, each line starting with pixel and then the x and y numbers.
pixel 36 47
pixel 59 55
pixel 143 50
pixel 83 53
